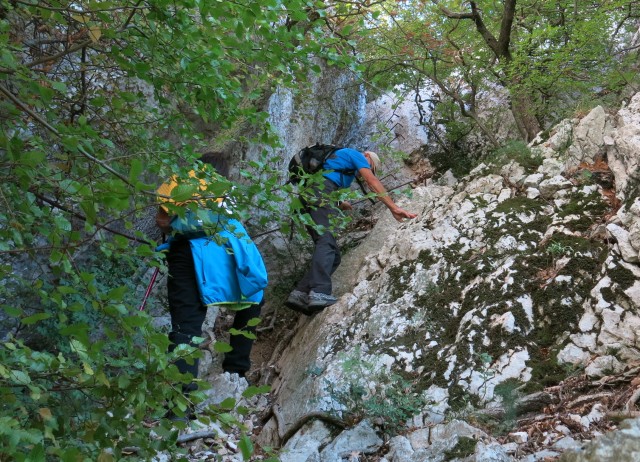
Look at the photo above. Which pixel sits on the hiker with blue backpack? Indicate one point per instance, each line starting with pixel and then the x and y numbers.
pixel 212 261
pixel 341 166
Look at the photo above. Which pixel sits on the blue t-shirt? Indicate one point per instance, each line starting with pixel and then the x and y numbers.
pixel 345 159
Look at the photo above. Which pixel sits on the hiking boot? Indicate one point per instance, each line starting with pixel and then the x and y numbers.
pixel 318 301
pixel 313 310
pixel 298 301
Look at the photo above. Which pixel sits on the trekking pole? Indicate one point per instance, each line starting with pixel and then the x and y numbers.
pixel 153 280
pixel 148 292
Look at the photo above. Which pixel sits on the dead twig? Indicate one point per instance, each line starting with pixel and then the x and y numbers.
pixel 195 436
pixel 632 400
pixel 272 324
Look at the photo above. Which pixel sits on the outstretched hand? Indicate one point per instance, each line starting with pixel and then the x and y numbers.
pixel 399 214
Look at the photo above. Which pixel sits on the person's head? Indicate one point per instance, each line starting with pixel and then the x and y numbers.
pixel 373 159
pixel 217 161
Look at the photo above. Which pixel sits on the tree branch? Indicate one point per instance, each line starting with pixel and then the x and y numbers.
pixel 488 37
pixel 450 14
pixel 505 28
pixel 71 49
pixel 53 130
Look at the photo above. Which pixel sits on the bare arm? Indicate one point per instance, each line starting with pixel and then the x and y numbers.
pixel 163 221
pixel 383 196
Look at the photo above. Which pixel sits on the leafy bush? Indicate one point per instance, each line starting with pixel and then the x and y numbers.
pixel 386 396
pixel 514 151
pixel 91 400
pixel 97 105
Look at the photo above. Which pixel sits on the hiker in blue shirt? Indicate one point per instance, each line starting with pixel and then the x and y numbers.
pixel 222 267
pixel 313 293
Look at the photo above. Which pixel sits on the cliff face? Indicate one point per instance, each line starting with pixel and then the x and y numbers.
pixel 509 279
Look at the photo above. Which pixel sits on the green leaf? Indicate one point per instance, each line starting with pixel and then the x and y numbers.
pixel 253 391
pixel 135 321
pixel 89 208
pixel 123 381
pixel 35 318
pixel 117 293
pixel 20 377
pixel 32 158
pixel 246 447
pixel 59 86
pixel 37 453
pixel 228 403
pixel 76 329
pixel 87 368
pixel 13 311
pixel 244 333
pixel 7 59
pixel 222 347
pixel 66 290
pixel 79 348
pixel 62 223
pixel 135 170
pixel 184 192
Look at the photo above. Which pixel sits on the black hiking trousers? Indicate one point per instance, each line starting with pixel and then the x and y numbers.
pixel 326 254
pixel 188 313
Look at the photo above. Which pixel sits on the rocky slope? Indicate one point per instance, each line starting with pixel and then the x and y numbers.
pixel 511 280
pixel 499 325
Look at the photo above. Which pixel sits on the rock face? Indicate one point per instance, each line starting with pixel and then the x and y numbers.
pixel 623 148
pixel 617 446
pixel 506 279
pixel 331 110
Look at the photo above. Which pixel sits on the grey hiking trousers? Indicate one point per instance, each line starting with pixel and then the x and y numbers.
pixel 326 254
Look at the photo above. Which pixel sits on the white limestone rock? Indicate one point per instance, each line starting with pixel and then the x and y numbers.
pixel 513 172
pixel 551 167
pixel 360 439
pixel 588 138
pixel 400 449
pixel 562 134
pixel 463 269
pixel 617 446
pixel 533 180
pixel 572 354
pixel 621 235
pixel 306 443
pixel 519 437
pixel 549 187
pixel 435 411
pixel 533 193
pixel 448 179
pixel 490 452
pixel 622 157
pixel 604 365
pixel 455 428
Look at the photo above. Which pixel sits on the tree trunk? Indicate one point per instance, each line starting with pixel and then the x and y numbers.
pixel 524 114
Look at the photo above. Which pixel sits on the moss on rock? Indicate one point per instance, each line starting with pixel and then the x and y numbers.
pixel 464 448
pixel 622 276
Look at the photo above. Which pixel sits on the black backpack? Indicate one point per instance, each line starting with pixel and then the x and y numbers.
pixel 309 160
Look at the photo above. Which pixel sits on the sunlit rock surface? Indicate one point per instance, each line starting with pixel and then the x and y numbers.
pixel 509 278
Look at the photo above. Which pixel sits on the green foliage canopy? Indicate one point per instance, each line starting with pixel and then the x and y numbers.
pixel 543 53
pixel 101 98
